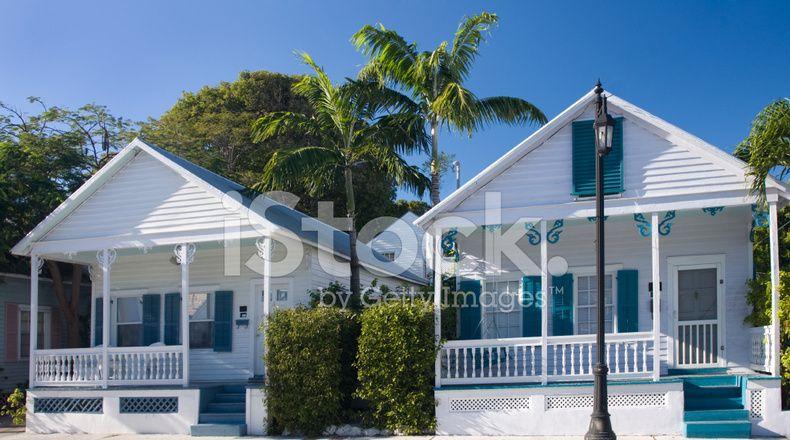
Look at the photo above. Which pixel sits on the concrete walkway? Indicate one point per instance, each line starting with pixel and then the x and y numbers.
pixel 22 436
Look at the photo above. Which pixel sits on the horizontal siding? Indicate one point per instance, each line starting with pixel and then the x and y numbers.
pixel 653 167
pixel 144 197
pixel 693 233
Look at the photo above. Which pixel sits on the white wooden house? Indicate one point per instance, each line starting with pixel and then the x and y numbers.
pixel 185 265
pixel 679 216
pixel 403 241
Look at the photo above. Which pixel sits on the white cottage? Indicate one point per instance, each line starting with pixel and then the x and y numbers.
pixel 403 241
pixel 679 217
pixel 185 265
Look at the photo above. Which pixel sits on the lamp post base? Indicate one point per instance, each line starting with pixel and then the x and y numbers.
pixel 600 428
pixel 600 423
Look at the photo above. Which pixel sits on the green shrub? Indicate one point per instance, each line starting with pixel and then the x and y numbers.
pixel 305 353
pixel 395 363
pixel 15 407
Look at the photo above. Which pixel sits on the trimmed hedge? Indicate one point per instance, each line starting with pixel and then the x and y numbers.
pixel 395 363
pixel 304 364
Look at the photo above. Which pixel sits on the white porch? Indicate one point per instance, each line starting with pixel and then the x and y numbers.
pixel 663 248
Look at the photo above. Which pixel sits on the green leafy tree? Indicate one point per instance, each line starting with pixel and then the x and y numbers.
pixel 347 131
pixel 767 147
pixel 435 82
pixel 45 157
pixel 211 127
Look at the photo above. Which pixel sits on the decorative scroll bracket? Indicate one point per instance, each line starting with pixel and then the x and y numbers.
pixel 106 258
pixel 533 235
pixel 759 220
pixel 37 262
pixel 449 245
pixel 185 253
pixel 553 234
pixel 262 244
pixel 592 219
pixel 713 210
pixel 665 227
pixel 642 225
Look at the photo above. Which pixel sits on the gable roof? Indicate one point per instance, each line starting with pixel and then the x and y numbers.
pixel 536 139
pixel 264 210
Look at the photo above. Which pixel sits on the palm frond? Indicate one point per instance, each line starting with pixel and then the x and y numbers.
pixel 393 55
pixel 393 166
pixel 466 43
pixel 282 124
pixel 404 132
pixel 298 166
pixel 768 144
pixel 457 107
pixel 508 110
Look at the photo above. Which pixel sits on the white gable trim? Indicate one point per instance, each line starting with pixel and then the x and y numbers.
pixel 651 122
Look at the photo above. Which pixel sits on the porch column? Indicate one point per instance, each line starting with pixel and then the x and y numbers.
pixel 265 253
pixel 656 269
pixel 544 308
pixel 437 302
pixel 105 258
pixel 35 268
pixel 185 253
pixel 774 249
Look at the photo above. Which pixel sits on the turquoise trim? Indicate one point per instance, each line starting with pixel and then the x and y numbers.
pixel 627 300
pixel 625 382
pixel 449 246
pixel 223 320
pixel 713 210
pixel 642 225
pixel 664 228
pixel 469 314
pixel 492 228
pixel 592 219
pixel 533 235
pixel 553 235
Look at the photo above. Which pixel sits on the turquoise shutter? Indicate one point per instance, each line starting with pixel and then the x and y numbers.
pixel 562 305
pixel 151 311
pixel 584 160
pixel 627 300
pixel 98 319
pixel 223 317
pixel 172 318
pixel 469 309
pixel 530 306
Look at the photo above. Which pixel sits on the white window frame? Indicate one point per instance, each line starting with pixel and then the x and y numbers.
pixel 509 278
pixel 210 300
pixel 114 295
pixel 586 271
pixel 47 342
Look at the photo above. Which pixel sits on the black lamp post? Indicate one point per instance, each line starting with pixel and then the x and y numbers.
pixel 600 424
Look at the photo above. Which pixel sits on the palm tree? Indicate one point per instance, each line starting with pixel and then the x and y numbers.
pixel 767 147
pixel 435 81
pixel 352 125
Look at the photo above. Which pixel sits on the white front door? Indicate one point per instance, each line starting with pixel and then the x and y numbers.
pixel 698 312
pixel 280 298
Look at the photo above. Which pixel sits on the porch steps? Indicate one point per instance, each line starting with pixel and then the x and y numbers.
pixel 713 405
pixel 224 415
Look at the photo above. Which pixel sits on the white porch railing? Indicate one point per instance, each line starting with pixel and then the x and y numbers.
pixel 761 348
pixel 567 358
pixel 161 365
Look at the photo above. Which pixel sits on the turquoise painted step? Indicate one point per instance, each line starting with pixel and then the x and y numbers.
pixel 712 415
pixel 218 430
pixel 718 429
pixel 235 389
pixel 712 392
pixel 226 418
pixel 225 407
pixel 228 397
pixel 700 403
pixel 711 381
pixel 695 371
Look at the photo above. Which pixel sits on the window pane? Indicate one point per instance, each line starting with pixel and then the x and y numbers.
pixel 130 335
pixel 200 306
pixel 130 309
pixel 201 334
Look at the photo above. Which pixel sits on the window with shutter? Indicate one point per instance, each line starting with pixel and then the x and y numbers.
pixel 584 160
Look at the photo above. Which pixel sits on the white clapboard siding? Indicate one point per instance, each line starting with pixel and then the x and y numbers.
pixel 693 233
pixel 653 167
pixel 145 197
pixel 410 250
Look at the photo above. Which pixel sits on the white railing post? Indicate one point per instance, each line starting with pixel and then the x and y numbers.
pixel 35 268
pixel 437 303
pixel 656 272
pixel 774 250
pixel 185 254
pixel 105 258
pixel 265 253
pixel 544 307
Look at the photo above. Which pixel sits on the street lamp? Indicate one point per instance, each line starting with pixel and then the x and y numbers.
pixel 600 424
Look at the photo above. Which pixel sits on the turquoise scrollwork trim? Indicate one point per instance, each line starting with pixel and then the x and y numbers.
pixel 553 235
pixel 592 219
pixel 759 220
pixel 642 225
pixel 665 227
pixel 449 246
pixel 533 235
pixel 713 210
pixel 492 228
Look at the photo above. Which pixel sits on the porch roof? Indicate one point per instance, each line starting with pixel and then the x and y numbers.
pixel 274 217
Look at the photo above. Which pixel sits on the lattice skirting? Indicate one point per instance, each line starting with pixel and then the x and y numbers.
pixel 148 405
pixel 756 404
pixel 616 400
pixel 90 405
pixel 489 404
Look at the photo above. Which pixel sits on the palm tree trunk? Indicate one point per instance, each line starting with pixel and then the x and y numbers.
pixel 435 171
pixel 352 233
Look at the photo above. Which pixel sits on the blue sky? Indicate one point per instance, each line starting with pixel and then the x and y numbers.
pixel 706 66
